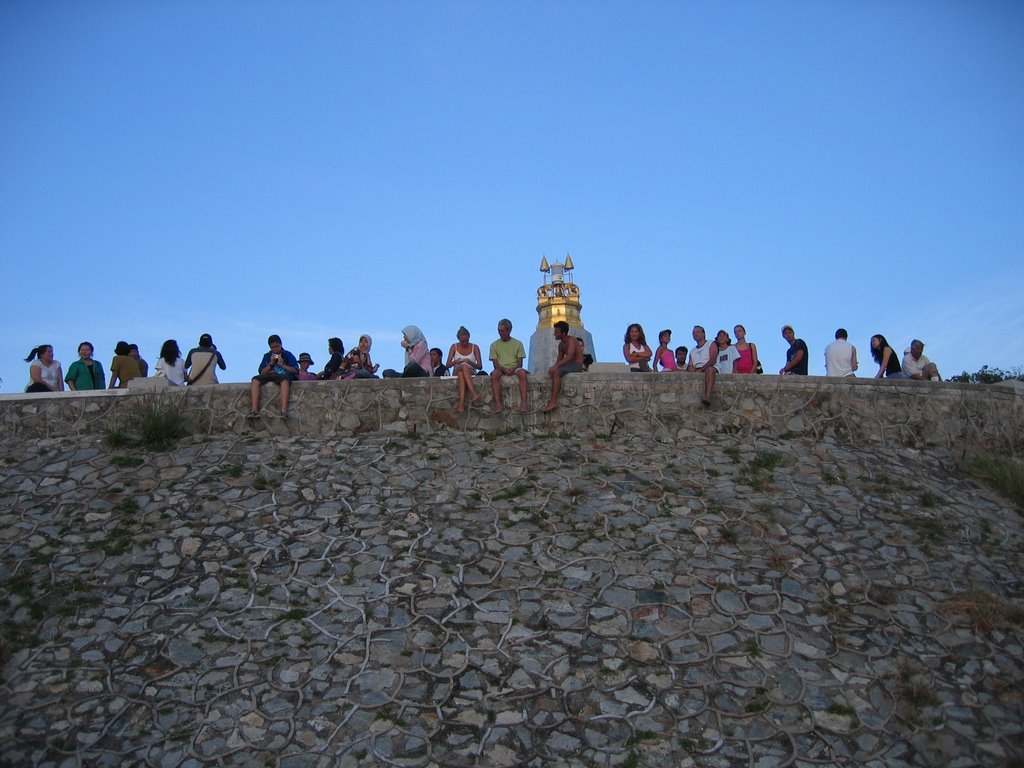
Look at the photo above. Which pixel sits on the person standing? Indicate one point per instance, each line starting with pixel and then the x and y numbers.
pixel 796 355
pixel 840 356
pixel 85 373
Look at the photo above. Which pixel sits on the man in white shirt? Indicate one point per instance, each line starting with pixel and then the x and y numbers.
pixel 840 356
pixel 916 365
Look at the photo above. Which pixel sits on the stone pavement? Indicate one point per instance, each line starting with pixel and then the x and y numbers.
pixel 542 600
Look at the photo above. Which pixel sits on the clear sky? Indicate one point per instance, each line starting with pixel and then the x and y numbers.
pixel 320 169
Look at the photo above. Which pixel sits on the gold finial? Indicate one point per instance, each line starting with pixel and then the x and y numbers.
pixel 544 264
pixel 568 261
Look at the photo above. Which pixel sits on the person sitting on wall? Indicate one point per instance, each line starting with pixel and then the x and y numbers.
pixel 133 350
pixel 663 355
pixel 337 352
pixel 464 360
pixel 886 357
pixel 357 364
pixel 681 353
pixel 437 368
pixel 917 366
pixel 44 373
pixel 85 373
pixel 417 355
pixel 124 367
pixel 570 360
pixel 840 356
pixel 200 362
pixel 507 354
pixel 724 360
pixel 278 366
pixel 305 360
pixel 796 355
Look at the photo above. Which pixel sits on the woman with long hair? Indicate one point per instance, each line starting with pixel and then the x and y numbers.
pixel 170 365
pixel 44 372
pixel 85 373
pixel 635 349
pixel 464 361
pixel 747 361
pixel 889 363
pixel 663 355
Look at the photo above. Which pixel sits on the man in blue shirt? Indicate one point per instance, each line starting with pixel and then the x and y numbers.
pixel 278 366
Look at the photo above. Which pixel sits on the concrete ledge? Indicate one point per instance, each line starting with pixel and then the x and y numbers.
pixel 858 411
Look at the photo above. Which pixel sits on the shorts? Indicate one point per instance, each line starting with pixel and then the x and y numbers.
pixel 570 368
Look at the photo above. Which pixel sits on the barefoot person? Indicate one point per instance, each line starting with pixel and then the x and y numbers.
pixel 507 355
pixel 570 360
pixel 464 361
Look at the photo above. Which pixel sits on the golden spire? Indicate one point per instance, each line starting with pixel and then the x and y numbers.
pixel 558 299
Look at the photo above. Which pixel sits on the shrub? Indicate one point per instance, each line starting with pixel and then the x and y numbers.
pixel 1000 472
pixel 989 375
pixel 152 422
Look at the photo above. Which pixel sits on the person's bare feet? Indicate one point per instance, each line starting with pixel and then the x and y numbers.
pixel 460 408
pixel 498 408
pixel 549 407
pixel 523 408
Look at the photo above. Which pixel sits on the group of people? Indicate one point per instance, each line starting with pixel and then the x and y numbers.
pixel 198 367
pixel 841 359
pixel 465 361
pixel 723 355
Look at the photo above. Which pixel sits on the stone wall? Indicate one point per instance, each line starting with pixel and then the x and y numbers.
pixel 855 411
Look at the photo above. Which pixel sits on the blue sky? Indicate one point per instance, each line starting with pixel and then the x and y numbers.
pixel 332 168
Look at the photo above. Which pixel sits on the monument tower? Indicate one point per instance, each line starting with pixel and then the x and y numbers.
pixel 557 299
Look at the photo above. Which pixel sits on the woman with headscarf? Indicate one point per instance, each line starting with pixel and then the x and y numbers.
pixel 357 363
pixel 417 355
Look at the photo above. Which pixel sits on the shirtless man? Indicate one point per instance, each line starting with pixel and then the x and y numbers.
pixel 570 360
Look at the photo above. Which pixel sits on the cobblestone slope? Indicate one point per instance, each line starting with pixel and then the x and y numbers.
pixel 544 600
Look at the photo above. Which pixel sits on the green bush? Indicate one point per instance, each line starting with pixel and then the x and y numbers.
pixel 152 422
pixel 989 375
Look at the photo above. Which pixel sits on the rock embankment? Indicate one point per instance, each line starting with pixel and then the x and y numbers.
pixel 532 598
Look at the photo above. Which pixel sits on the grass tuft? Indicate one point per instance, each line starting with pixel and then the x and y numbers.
pixel 153 423
pixel 1001 473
